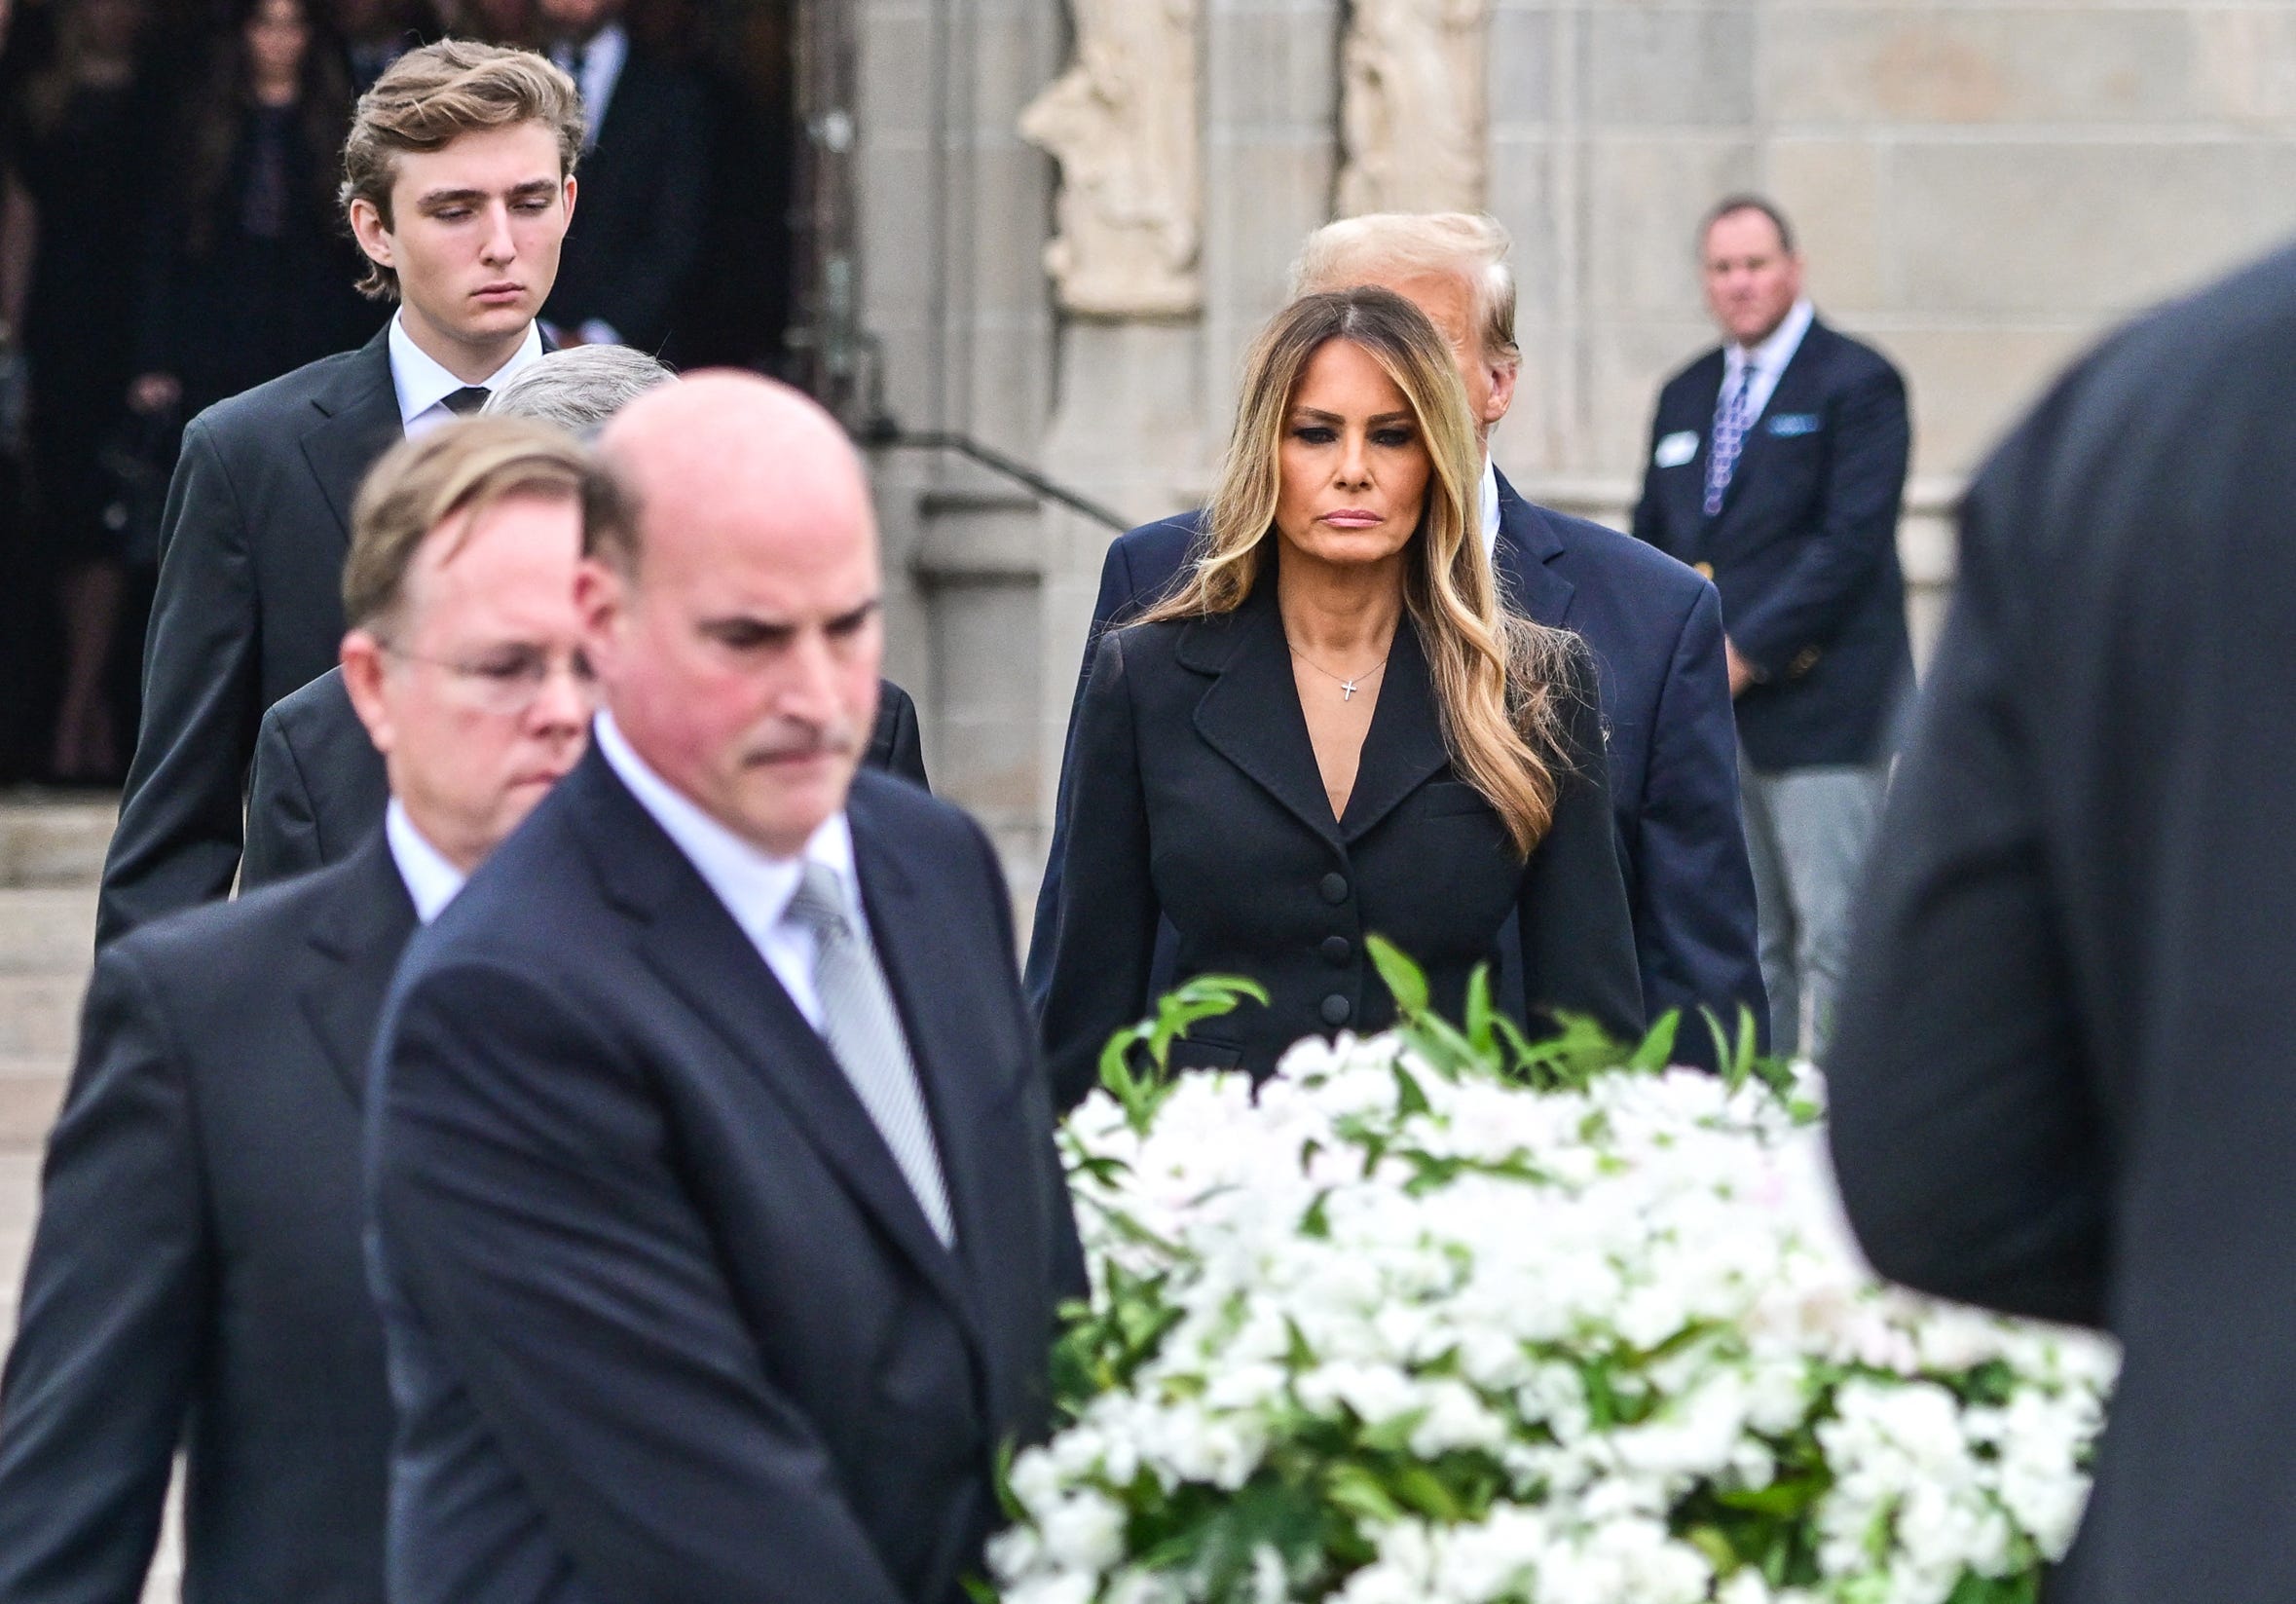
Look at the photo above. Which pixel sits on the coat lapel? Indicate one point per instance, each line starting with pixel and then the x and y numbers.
pixel 358 938
pixel 1250 715
pixel 693 943
pixel 358 422
pixel 1523 561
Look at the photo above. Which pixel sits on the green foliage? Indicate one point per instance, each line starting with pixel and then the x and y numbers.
pixel 1136 1063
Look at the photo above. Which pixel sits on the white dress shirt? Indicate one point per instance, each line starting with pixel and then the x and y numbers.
pixel 1490 507
pixel 755 886
pixel 1770 359
pixel 431 881
pixel 424 386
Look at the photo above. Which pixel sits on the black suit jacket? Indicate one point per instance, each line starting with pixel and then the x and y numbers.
pixel 1669 742
pixel 638 215
pixel 1193 794
pixel 318 788
pixel 1804 549
pixel 249 608
pixel 665 1320
pixel 2062 1082
pixel 198 1276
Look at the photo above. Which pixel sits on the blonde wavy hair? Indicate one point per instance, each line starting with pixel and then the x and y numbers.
pixel 1498 678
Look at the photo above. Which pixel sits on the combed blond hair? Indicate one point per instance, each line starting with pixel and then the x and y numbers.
pixel 463 466
pixel 1398 245
pixel 429 99
pixel 1498 678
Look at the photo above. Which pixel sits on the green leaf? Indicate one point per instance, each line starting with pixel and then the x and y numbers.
pixel 1658 1048
pixel 1405 979
pixel 1354 1491
pixel 1423 1490
pixel 1481 1033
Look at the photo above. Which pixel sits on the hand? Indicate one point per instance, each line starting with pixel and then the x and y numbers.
pixel 1741 671
pixel 154 393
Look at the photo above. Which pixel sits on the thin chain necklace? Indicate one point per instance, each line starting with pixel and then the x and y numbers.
pixel 1348 686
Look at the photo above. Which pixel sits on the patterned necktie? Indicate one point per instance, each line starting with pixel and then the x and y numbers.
pixel 1730 423
pixel 467 401
pixel 865 1037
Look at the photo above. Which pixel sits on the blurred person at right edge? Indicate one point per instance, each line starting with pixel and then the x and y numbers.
pixel 1654 627
pixel 1776 466
pixel 2061 1084
pixel 80 139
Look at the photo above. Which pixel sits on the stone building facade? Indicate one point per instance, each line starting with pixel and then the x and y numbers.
pixel 1068 216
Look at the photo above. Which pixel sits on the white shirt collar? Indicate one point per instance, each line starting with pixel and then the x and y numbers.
pixel 1489 505
pixel 1774 354
pixel 754 885
pixel 424 386
pixel 432 880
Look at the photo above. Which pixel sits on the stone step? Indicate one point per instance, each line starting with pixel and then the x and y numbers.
pixel 31 1089
pixel 40 1014
pixel 54 840
pixel 47 931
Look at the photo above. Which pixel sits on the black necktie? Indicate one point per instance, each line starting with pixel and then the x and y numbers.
pixel 467 401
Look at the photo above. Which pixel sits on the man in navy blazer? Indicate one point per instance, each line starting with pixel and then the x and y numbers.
pixel 1654 627
pixel 1777 466
pixel 716 1223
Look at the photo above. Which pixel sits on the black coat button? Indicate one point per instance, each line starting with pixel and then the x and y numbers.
pixel 1337 949
pixel 1336 1009
pixel 1335 887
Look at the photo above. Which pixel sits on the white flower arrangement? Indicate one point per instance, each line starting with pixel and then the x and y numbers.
pixel 1439 1318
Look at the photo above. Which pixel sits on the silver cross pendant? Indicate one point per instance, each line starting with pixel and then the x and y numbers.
pixel 1346 690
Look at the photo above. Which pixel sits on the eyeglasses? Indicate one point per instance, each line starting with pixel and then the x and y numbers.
pixel 509 679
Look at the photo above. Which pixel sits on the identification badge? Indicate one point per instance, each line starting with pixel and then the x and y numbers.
pixel 1787 424
pixel 1677 448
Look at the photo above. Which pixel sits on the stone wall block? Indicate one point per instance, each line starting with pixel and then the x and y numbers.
pixel 1670 64
pixel 2021 64
pixel 1521 69
pixel 1645 198
pixel 1831 191
pixel 2070 231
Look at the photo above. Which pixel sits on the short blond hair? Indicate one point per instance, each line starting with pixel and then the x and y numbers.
pixel 1395 244
pixel 463 466
pixel 429 99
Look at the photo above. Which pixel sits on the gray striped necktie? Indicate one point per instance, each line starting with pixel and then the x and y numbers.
pixel 865 1037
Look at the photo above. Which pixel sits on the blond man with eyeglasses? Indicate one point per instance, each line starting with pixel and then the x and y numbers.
pixel 196 1277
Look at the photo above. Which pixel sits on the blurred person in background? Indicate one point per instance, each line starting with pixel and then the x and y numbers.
pixel 371 34
pixel 1776 466
pixel 645 178
pixel 251 273
pixel 80 140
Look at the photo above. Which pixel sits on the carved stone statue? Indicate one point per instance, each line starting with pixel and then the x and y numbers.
pixel 1414 108
pixel 1122 122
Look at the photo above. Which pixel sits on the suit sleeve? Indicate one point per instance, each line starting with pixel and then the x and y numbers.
pixel 115 1312
pixel 1966 1141
pixel 529 1207
pixel 1694 917
pixel 1104 928
pixel 177 843
pixel 282 825
pixel 1579 954
pixel 1870 442
pixel 1116 600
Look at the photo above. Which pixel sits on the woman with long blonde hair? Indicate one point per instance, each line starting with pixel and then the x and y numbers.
pixel 1335 727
